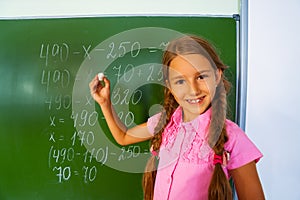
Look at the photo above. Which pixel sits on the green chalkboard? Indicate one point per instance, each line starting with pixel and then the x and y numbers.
pixel 54 142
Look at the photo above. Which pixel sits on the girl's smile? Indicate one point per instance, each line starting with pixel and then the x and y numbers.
pixel 193 81
pixel 196 101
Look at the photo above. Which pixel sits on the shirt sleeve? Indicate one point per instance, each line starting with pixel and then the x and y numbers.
pixel 242 150
pixel 152 122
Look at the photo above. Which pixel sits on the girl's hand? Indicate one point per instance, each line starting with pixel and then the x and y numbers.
pixel 100 92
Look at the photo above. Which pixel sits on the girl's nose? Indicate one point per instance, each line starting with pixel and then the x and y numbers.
pixel 194 88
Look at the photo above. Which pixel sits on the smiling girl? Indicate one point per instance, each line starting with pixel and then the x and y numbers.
pixel 197 149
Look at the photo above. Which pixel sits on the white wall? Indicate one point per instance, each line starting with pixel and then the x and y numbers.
pixel 273 67
pixel 29 8
pixel 273 94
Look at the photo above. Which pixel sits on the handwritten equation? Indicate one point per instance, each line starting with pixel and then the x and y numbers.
pixel 66 143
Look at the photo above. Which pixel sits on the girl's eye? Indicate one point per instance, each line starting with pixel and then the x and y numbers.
pixel 179 82
pixel 203 76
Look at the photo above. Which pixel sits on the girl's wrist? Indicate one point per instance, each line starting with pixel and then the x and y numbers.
pixel 105 105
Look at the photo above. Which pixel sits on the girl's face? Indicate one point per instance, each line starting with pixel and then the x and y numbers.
pixel 192 81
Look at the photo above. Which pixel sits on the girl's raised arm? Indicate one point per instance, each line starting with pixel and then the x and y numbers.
pixel 101 94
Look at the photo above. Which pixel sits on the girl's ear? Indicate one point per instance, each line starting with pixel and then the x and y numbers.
pixel 168 84
pixel 169 87
pixel 219 73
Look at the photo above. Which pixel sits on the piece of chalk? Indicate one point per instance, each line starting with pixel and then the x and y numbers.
pixel 100 76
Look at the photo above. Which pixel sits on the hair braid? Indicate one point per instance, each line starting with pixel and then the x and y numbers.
pixel 169 106
pixel 219 188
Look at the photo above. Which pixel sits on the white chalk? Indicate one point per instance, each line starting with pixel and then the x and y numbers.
pixel 101 76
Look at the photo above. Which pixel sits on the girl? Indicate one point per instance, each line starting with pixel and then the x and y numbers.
pixel 196 147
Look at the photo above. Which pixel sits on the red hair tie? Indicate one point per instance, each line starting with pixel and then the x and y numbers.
pixel 221 159
pixel 218 159
pixel 154 153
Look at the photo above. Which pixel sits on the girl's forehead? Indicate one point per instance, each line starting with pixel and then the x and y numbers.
pixel 191 63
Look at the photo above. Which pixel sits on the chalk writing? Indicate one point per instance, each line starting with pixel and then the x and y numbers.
pixel 63 173
pixel 84 118
pixel 130 152
pixel 56 78
pixel 72 134
pixel 119 50
pixel 59 101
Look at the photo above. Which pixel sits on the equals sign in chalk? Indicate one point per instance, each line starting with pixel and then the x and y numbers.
pixel 76 173
pixel 61 138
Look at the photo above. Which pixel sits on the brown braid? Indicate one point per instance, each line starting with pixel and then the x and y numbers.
pixel 219 187
pixel 169 107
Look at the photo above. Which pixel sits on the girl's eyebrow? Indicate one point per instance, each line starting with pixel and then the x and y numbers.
pixel 203 71
pixel 177 77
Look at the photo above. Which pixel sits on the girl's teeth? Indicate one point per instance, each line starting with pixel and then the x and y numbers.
pixel 194 101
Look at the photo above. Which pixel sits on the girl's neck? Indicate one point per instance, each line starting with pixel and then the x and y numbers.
pixel 186 118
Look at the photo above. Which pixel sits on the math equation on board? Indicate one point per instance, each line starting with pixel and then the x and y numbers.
pixel 66 143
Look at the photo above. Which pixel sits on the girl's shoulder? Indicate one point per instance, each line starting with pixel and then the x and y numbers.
pixel 235 133
pixel 233 128
pixel 153 120
pixel 241 148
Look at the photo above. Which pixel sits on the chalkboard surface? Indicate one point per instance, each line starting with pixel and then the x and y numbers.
pixel 54 142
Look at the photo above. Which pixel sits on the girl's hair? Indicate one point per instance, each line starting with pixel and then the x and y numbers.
pixel 219 186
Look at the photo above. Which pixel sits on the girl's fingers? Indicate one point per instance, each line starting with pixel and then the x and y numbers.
pixel 99 89
pixel 106 82
pixel 94 85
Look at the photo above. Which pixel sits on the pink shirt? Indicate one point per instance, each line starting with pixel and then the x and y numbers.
pixel 186 160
